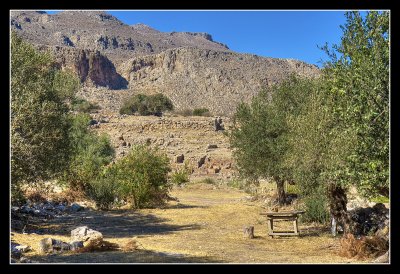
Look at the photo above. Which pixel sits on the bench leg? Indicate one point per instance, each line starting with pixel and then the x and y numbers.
pixel 270 227
pixel 295 227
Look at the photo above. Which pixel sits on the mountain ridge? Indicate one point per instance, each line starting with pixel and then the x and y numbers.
pixel 189 67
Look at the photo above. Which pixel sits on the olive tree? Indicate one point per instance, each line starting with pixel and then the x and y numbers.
pixel 39 114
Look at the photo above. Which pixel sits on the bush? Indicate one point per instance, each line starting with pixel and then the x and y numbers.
pixel 143 177
pixel 146 104
pixel 82 105
pixel 90 154
pixel 201 112
pixel 316 209
pixel 104 190
pixel 180 176
pixel 235 183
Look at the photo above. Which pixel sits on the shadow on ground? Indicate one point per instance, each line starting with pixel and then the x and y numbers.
pixel 138 256
pixel 314 231
pixel 185 206
pixel 112 224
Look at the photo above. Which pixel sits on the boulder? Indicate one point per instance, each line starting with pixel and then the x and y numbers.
pixel 76 245
pixel 211 146
pixel 23 248
pixel 179 159
pixel 48 245
pixel 61 207
pixel 45 245
pixel 15 253
pixel 25 260
pixel 218 124
pixel 60 245
pixel 76 207
pixel 83 233
pixel 382 259
pixel 201 161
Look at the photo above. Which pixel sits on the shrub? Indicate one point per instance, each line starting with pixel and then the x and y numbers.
pixel 316 209
pixel 146 104
pixel 293 189
pixel 201 112
pixel 104 190
pixel 180 176
pixel 159 103
pixel 90 154
pixel 143 176
pixel 82 105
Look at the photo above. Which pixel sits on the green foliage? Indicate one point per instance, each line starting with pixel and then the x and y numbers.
pixel 317 149
pixel 380 199
pixel 201 112
pixel 39 114
pixel 293 189
pixel 357 76
pixel 316 209
pixel 146 104
pixel 236 183
pixel 143 176
pixel 181 175
pixel 260 131
pixel 90 153
pixel 82 105
pixel 104 189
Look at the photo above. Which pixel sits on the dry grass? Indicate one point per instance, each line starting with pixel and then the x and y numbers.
pixel 131 245
pixel 68 196
pixel 206 225
pixel 98 245
pixel 35 196
pixel 363 248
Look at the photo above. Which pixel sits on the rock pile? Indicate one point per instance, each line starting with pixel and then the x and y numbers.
pixel 80 237
pixel 369 220
pixel 17 252
pixel 46 209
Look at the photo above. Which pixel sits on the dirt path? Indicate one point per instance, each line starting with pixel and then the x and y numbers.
pixel 205 226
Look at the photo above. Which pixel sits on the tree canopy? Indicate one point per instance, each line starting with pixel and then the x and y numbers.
pixel 39 114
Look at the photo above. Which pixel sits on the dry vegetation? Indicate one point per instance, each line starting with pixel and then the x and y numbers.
pixel 204 226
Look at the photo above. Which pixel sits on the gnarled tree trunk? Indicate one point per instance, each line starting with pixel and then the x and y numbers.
pixel 280 191
pixel 338 207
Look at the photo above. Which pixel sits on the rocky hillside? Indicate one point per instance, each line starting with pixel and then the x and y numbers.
pixel 97 30
pixel 190 68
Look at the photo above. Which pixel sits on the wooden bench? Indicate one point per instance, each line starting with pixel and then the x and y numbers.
pixel 291 216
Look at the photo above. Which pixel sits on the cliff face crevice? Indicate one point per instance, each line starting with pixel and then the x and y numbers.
pixel 102 72
pixel 91 67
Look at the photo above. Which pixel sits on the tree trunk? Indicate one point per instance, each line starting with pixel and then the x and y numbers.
pixel 338 207
pixel 281 191
pixel 248 232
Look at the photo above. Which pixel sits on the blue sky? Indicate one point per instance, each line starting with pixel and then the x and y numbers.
pixel 279 34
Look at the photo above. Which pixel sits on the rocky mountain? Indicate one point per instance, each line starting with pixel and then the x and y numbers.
pixel 190 68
